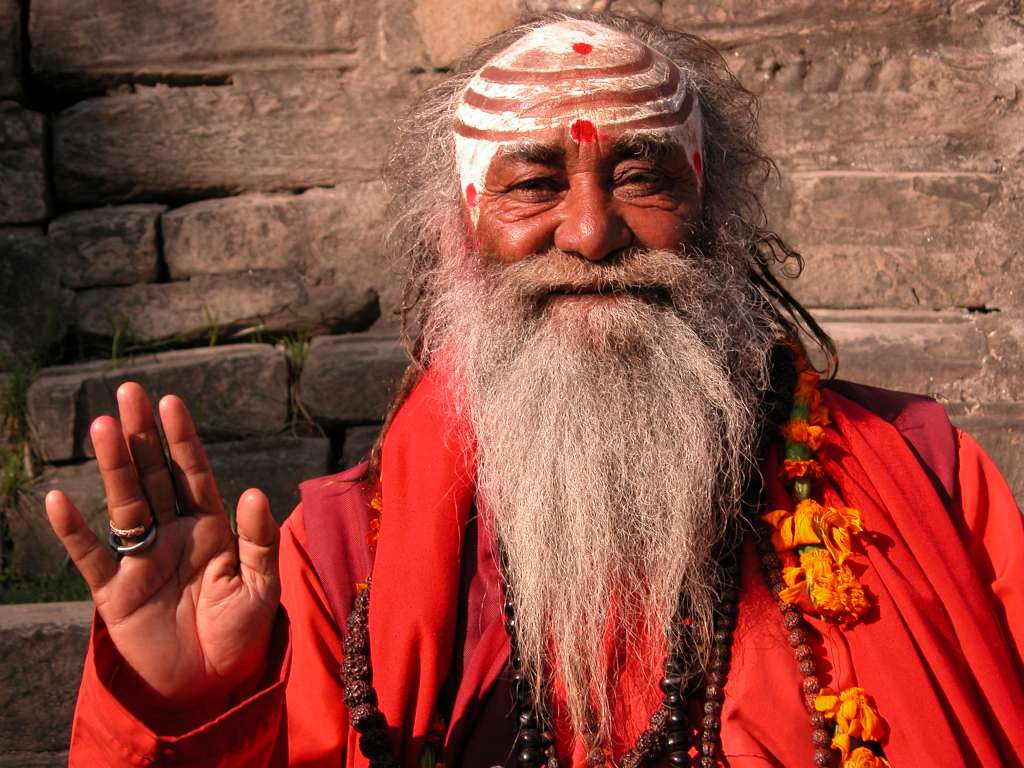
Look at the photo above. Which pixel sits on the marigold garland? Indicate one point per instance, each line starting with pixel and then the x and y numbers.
pixel 823 538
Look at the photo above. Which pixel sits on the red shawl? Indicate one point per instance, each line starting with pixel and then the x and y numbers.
pixel 936 652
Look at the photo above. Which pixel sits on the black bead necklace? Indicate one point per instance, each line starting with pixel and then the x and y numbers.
pixel 668 733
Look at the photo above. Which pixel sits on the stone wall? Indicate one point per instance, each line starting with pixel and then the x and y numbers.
pixel 190 197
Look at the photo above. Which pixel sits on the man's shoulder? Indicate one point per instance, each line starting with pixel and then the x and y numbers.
pixel 338 516
pixel 921 421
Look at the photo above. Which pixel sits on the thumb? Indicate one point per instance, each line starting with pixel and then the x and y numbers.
pixel 258 538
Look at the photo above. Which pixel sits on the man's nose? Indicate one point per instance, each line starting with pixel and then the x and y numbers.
pixel 591 227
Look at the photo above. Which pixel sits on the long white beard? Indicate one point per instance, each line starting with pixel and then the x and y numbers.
pixel 613 438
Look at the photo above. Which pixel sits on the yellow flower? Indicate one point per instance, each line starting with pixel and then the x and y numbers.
pixel 811 523
pixel 836 527
pixel 862 757
pixel 833 589
pixel 854 718
pixel 799 431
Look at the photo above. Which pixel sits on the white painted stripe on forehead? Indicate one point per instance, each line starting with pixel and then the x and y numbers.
pixel 618 81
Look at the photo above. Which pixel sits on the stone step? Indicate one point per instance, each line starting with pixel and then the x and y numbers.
pixel 107 246
pixel 34 308
pixel 263 132
pixel 42 648
pixel 227 306
pixel 973 358
pixel 329 235
pixel 350 379
pixel 274 465
pixel 232 391
pixel 10 54
pixel 24 190
pixel 100 41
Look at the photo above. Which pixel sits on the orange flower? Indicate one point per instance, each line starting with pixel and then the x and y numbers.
pixel 854 718
pixel 811 523
pixel 833 589
pixel 793 468
pixel 836 526
pixel 799 431
pixel 361 587
pixel 377 502
pixel 862 757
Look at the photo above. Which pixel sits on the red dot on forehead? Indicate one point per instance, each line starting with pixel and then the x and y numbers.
pixel 470 195
pixel 698 165
pixel 583 131
pixel 582 48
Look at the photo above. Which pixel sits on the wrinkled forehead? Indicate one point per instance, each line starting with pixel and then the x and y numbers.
pixel 575 76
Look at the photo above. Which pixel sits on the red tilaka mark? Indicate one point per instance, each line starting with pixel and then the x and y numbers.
pixel 583 131
pixel 582 48
pixel 470 195
pixel 698 165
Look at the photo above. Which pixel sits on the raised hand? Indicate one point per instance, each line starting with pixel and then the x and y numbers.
pixel 191 613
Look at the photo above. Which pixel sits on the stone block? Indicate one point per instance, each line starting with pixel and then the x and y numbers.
pixel 263 132
pixel 107 246
pixel 221 306
pixel 42 648
pixel 350 379
pixel 232 391
pixel 103 40
pixel 854 276
pixel 358 444
pixel 732 21
pixel 331 236
pixel 949 355
pixel 23 190
pixel 10 49
pixel 274 465
pixel 903 239
pixel 999 429
pixel 34 308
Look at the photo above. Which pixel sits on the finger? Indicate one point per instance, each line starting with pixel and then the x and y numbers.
pixel 126 502
pixel 147 450
pixel 258 538
pixel 93 560
pixel 193 478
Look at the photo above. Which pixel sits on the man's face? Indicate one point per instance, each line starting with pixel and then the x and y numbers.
pixel 588 194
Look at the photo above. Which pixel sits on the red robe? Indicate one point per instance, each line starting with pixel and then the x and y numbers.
pixel 941 653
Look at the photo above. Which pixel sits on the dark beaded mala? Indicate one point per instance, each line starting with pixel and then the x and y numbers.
pixel 668 732
pixel 359 695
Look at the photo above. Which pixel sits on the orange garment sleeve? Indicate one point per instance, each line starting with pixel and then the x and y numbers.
pixel 297 718
pixel 993 531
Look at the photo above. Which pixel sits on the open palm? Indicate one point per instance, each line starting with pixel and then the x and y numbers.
pixel 191 615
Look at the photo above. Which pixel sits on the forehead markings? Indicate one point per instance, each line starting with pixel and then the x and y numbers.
pixel 662 120
pixel 551 83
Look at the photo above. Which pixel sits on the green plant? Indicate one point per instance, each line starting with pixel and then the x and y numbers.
pixel 296 346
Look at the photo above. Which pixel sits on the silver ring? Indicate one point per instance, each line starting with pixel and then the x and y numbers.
pixel 137 547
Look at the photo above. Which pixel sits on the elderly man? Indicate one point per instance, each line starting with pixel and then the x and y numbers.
pixel 613 519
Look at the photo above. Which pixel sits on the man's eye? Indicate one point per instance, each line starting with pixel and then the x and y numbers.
pixel 643 179
pixel 536 188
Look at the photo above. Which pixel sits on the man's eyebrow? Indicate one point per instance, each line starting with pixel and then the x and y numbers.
pixel 533 153
pixel 645 146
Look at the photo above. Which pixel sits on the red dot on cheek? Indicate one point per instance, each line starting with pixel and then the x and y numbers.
pixel 582 48
pixel 470 195
pixel 583 131
pixel 698 165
